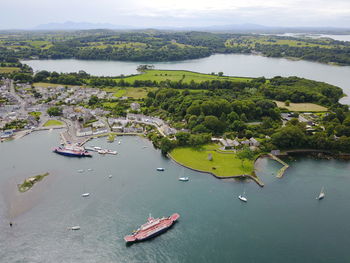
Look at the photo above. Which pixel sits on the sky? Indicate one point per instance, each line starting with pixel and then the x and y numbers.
pixel 27 14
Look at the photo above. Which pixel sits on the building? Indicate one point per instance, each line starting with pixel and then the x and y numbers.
pixel 84 132
pixel 135 106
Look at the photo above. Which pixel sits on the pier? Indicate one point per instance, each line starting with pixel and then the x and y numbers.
pixel 283 169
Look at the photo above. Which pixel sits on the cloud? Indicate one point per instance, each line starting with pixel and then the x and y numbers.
pixel 28 13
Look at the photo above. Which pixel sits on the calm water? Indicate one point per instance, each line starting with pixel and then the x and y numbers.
pixel 280 223
pixel 335 37
pixel 230 64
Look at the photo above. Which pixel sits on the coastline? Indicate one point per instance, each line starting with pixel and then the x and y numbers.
pixel 243 176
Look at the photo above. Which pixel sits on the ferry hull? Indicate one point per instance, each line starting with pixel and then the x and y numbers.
pixel 137 238
pixel 69 154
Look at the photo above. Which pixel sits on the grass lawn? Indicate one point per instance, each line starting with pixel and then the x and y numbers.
pixel 131 92
pixel 53 85
pixel 302 107
pixel 35 113
pixel 177 75
pixel 8 69
pixel 225 164
pixel 53 123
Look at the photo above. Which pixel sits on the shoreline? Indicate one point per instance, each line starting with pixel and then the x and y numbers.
pixel 243 176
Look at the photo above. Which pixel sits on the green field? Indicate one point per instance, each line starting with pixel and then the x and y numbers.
pixel 177 75
pixel 302 107
pixel 130 92
pixel 224 165
pixel 251 41
pixel 53 123
pixel 52 85
pixel 8 69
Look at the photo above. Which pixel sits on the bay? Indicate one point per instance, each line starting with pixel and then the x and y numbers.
pixel 282 222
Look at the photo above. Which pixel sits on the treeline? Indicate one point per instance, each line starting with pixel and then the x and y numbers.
pixel 278 88
pixel 324 55
pixel 164 46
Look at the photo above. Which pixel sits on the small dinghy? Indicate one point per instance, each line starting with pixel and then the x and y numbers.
pixel 321 195
pixel 80 171
pixel 183 179
pixel 75 228
pixel 89 169
pixel 85 194
pixel 160 169
pixel 110 176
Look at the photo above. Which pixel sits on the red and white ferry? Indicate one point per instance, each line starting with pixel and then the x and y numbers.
pixel 153 227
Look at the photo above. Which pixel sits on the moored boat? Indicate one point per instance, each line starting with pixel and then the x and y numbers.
pixel 242 197
pixel 85 194
pixel 321 195
pixel 184 179
pixel 160 169
pixel 153 227
pixel 72 151
pixel 75 228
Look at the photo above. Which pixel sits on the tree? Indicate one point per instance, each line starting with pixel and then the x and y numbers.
pixel 287 103
pixel 166 145
pixel 93 100
pixel 214 124
pixel 289 137
pixel 54 111
pixel 245 154
pixel 182 138
pixel 220 74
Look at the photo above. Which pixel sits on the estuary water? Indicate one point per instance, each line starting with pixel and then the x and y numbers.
pixel 230 64
pixel 282 222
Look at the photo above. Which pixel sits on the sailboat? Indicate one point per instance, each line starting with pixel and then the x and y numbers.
pixel 183 178
pixel 242 197
pixel 321 195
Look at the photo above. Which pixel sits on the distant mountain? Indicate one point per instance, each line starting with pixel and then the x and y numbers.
pixel 69 25
pixel 238 28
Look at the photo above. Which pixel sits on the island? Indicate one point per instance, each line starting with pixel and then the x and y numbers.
pixel 30 182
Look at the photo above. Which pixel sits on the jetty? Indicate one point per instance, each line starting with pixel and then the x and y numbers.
pixel 283 169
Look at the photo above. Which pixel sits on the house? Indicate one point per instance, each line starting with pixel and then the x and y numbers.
pixel 98 124
pixel 135 106
pixel 275 152
pixel 253 142
pixel 84 132
pixel 100 131
pixel 6 134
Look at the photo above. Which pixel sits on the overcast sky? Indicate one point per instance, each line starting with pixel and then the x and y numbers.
pixel 30 13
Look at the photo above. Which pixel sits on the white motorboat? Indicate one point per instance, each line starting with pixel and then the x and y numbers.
pixel 184 179
pixel 111 152
pixel 160 169
pixel 85 194
pixel 89 169
pixel 110 176
pixel 75 228
pixel 80 171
